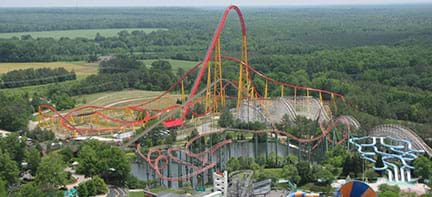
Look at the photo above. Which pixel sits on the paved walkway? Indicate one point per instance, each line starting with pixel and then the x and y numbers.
pixel 78 177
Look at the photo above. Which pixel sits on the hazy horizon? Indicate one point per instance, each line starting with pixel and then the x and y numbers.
pixel 192 3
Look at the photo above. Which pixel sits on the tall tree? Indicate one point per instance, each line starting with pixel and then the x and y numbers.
pixel 33 158
pixel 50 173
pixel 88 161
pixel 8 168
pixel 226 119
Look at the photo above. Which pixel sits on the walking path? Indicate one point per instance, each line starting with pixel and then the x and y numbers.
pixel 78 177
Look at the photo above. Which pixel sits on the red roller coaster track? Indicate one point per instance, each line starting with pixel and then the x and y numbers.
pixel 211 48
pixel 156 157
pixel 155 160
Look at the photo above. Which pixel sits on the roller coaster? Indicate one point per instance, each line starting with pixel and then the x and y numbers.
pixel 252 103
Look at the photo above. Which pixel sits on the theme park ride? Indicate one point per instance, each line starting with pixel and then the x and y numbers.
pixel 396 155
pixel 252 103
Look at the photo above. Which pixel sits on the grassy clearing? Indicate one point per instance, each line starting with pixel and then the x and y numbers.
pixel 80 33
pixel 125 97
pixel 81 68
pixel 273 172
pixel 135 194
pixel 175 63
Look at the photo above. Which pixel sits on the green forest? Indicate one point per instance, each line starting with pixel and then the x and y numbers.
pixel 379 57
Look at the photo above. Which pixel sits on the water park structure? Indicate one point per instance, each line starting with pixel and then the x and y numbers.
pixel 396 155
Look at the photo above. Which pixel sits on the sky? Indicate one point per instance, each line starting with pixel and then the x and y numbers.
pixel 116 3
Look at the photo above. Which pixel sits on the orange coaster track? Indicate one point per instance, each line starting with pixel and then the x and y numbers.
pixel 215 94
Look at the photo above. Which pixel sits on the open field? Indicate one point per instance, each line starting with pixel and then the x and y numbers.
pixel 80 33
pixel 175 63
pixel 81 68
pixel 126 97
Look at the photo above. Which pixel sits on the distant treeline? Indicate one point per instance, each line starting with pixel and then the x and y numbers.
pixel 122 72
pixel 142 45
pixel 271 31
pixel 31 76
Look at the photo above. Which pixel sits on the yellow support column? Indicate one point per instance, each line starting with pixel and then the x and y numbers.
pixel 183 97
pixel 73 120
pixel 243 69
pixel 282 91
pixel 130 114
pixel 215 78
pixel 249 88
pixel 207 99
pixel 219 64
pixel 240 85
pixel 333 101
pixel 266 89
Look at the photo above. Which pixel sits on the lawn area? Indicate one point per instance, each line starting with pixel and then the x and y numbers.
pixel 125 97
pixel 273 172
pixel 81 68
pixel 175 63
pixel 135 194
pixel 80 33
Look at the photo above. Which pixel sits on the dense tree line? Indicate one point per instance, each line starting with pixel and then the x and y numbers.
pixel 31 76
pixel 121 72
